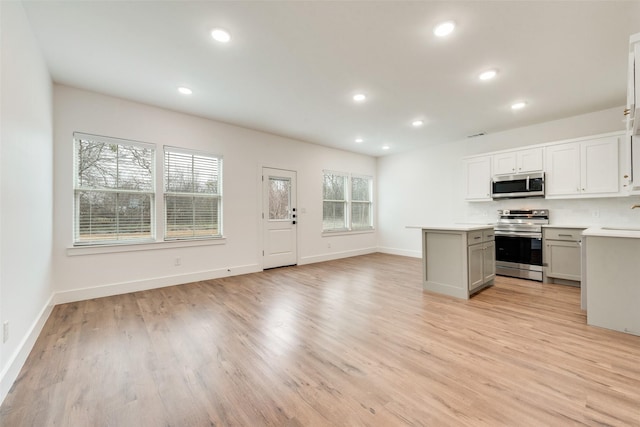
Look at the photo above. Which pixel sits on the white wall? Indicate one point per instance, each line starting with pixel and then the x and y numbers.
pixel 26 192
pixel 426 186
pixel 244 152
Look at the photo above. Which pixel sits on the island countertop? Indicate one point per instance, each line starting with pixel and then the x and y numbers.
pixel 622 231
pixel 453 227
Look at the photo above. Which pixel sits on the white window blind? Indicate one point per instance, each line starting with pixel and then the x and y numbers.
pixel 114 190
pixel 193 194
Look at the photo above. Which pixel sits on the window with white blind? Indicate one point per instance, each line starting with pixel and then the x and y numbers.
pixel 192 194
pixel 114 190
pixel 347 202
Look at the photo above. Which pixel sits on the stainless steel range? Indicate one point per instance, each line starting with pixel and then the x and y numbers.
pixel 518 236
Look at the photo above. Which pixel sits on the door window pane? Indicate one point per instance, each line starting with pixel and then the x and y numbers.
pixel 279 198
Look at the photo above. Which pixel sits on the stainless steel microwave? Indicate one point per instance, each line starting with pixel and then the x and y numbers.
pixel 520 185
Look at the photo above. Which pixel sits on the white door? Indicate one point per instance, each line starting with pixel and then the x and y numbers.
pixel 279 217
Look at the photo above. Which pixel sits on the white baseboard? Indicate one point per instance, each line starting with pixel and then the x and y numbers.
pixel 153 283
pixel 335 255
pixel 17 360
pixel 402 252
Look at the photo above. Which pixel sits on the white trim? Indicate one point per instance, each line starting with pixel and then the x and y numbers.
pixel 546 144
pixel 153 283
pixel 189 152
pixel 329 233
pixel 336 255
pixel 113 140
pixel 401 252
pixel 168 244
pixel 17 360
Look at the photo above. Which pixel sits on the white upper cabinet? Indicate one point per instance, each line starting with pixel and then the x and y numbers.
pixel 562 176
pixel 520 161
pixel 478 178
pixel 599 166
pixel 587 168
pixel 633 77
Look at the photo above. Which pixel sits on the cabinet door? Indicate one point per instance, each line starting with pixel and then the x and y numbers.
pixel 635 163
pixel 529 160
pixel 478 178
pixel 631 91
pixel 599 161
pixel 504 163
pixel 563 169
pixel 563 260
pixel 476 263
pixel 489 261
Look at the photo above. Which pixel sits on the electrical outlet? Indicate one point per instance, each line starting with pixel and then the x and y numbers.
pixel 178 261
pixel 5 331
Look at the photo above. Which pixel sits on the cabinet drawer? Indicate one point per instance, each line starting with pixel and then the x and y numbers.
pixel 488 236
pixel 569 234
pixel 474 237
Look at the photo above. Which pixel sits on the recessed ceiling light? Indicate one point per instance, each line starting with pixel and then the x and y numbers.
pixel 385 147
pixel 185 90
pixel 487 75
pixel 417 123
pixel 518 105
pixel 359 97
pixel 444 29
pixel 359 140
pixel 220 35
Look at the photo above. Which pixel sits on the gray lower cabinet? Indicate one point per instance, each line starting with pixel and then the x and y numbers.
pixel 458 262
pixel 482 261
pixel 562 257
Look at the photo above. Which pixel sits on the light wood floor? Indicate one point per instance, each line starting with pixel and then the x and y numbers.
pixel 348 343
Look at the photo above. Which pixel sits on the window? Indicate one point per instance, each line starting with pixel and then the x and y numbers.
pixel 192 194
pixel 114 190
pixel 361 202
pixel 347 202
pixel 334 205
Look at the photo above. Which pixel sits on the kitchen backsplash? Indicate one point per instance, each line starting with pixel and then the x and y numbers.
pixel 585 212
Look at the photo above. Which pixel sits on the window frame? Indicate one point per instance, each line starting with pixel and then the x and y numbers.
pixel 348 203
pixel 78 188
pixel 344 201
pixel 368 202
pixel 218 196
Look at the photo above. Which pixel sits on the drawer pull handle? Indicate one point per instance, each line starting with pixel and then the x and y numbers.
pixel 565 235
pixel 477 237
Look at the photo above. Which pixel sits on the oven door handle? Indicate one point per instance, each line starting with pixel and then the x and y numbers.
pixel 517 234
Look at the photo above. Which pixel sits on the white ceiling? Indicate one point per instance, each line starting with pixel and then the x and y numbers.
pixel 292 67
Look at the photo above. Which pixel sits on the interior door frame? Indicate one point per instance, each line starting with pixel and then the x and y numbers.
pixel 261 221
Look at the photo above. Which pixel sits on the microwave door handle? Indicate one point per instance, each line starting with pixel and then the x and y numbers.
pixel 527 182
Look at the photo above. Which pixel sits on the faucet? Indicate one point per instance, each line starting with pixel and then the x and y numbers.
pixel 635 206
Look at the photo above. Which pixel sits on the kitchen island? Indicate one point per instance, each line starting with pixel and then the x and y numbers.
pixel 458 260
pixel 612 278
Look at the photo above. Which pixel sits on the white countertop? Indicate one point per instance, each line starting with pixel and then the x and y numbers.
pixel 622 231
pixel 565 226
pixel 453 227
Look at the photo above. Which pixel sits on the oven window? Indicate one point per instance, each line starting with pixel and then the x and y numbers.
pixel 521 250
